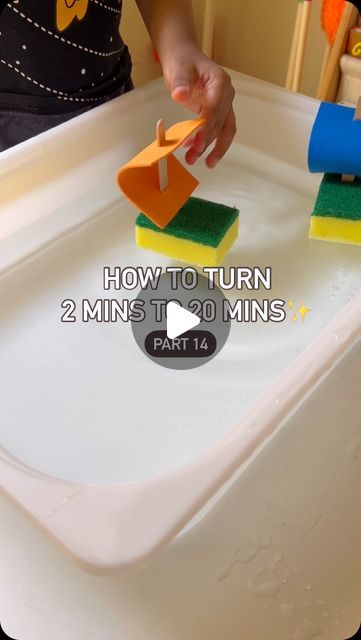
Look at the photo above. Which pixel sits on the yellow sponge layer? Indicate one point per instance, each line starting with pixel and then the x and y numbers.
pixel 187 250
pixel 335 229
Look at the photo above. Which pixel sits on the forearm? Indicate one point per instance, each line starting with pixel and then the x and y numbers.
pixel 170 24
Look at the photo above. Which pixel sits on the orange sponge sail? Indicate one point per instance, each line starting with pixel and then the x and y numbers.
pixel 139 179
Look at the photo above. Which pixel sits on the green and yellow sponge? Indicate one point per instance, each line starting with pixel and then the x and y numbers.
pixel 337 213
pixel 201 233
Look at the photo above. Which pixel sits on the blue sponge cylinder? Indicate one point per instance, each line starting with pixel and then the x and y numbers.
pixel 335 145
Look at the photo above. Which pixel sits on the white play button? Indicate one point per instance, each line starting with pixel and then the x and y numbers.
pixel 179 320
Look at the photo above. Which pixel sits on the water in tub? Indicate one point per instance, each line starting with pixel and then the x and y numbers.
pixel 82 402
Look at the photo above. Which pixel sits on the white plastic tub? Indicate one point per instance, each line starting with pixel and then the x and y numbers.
pixel 110 454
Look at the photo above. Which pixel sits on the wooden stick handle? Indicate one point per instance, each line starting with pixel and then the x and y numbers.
pixel 349 19
pixel 325 60
pixel 295 39
pixel 301 50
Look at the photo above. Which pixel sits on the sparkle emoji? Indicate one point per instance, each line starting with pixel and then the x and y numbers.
pixel 69 10
pixel 304 311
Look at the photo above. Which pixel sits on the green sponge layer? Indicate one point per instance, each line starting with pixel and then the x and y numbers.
pixel 337 199
pixel 198 220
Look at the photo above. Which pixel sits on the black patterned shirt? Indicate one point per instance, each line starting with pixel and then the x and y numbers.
pixel 60 55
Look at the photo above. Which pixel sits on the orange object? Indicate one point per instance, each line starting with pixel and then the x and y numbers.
pixel 67 12
pixel 331 14
pixel 155 55
pixel 139 178
pixel 354 43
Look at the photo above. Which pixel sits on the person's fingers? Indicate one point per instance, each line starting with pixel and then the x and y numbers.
pixel 217 109
pixel 197 147
pixel 208 137
pixel 195 152
pixel 219 95
pixel 197 140
pixel 192 156
pixel 181 83
pixel 224 141
pixel 210 94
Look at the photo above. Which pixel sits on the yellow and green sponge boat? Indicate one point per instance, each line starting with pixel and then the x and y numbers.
pixel 337 213
pixel 201 233
pixel 334 150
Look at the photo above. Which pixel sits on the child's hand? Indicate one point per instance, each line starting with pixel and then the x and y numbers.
pixel 205 88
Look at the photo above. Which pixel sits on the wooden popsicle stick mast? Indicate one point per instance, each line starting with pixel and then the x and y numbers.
pixel 346 177
pixel 357 115
pixel 162 164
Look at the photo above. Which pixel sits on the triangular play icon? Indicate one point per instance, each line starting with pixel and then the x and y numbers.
pixel 179 320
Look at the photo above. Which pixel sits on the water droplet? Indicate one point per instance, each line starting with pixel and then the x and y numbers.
pixel 287 610
pixel 69 497
pixel 275 561
pixel 264 589
pixel 354 450
pixel 322 601
pixel 286 573
pixel 260 544
pixel 307 631
pixel 226 571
